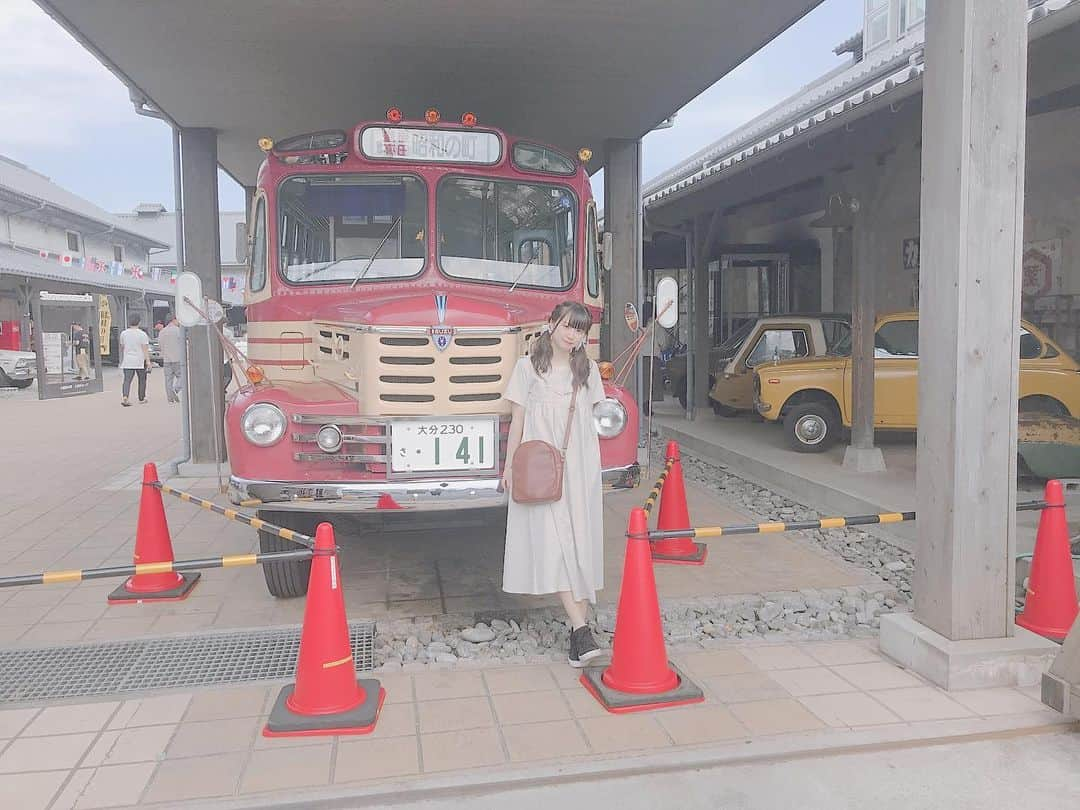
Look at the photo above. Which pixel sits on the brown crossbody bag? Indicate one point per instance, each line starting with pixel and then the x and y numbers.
pixel 537 467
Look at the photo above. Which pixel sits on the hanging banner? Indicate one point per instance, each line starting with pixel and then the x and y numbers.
pixel 104 323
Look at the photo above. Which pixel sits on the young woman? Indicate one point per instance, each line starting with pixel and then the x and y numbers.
pixel 559 547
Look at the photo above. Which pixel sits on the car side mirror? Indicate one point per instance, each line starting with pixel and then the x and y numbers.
pixel 607 243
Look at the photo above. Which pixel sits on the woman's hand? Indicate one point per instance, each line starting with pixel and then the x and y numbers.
pixel 506 479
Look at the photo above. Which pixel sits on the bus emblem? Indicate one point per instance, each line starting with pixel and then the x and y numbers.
pixel 440 307
pixel 441 336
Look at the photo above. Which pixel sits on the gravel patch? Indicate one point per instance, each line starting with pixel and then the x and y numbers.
pixel 542 635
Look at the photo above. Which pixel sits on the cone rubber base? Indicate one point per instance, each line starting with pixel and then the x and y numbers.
pixel 701 551
pixel 625 702
pixel 1052 633
pixel 360 720
pixel 122 596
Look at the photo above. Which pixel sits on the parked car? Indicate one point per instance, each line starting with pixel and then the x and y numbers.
pixel 770 340
pixel 731 364
pixel 155 352
pixel 17 369
pixel 812 398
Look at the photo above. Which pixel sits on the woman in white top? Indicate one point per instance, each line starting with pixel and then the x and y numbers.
pixel 559 547
pixel 134 358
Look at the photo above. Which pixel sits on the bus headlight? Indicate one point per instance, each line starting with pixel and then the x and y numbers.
pixel 263 424
pixel 610 418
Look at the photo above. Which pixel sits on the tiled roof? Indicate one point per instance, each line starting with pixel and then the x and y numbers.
pixel 885 70
pixel 25 182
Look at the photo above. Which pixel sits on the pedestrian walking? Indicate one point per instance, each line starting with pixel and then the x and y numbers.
pixel 80 344
pixel 170 341
pixel 134 358
pixel 557 546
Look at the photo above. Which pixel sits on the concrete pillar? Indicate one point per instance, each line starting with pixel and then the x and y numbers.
pixel 622 216
pixel 202 255
pixel 971 238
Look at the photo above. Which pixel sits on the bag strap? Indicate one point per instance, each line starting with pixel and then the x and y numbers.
pixel 569 421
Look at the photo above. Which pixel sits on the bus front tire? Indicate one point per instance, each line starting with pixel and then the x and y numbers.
pixel 284 580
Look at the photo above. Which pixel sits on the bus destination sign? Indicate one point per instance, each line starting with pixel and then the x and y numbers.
pixel 431 145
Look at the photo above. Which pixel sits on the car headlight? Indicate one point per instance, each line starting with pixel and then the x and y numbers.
pixel 609 417
pixel 263 424
pixel 329 438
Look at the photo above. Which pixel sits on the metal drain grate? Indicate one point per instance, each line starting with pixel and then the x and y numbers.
pixel 109 668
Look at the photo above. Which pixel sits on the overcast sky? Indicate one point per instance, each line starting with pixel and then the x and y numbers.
pixel 64 115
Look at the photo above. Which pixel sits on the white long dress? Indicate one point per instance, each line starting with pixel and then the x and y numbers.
pixel 558 546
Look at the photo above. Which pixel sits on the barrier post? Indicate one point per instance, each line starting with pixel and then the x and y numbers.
pixel 327 697
pixel 674 515
pixel 153 546
pixel 640 676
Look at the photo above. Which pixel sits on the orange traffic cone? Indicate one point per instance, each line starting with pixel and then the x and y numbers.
pixel 1051 606
pixel 674 515
pixel 152 545
pixel 327 697
pixel 640 676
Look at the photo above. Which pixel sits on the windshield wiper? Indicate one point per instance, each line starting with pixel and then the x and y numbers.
pixel 371 261
pixel 519 275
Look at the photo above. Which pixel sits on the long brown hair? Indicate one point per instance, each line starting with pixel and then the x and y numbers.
pixel 576 316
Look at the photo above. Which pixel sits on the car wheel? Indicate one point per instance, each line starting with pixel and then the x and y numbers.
pixel 285 580
pixel 812 427
pixel 1044 405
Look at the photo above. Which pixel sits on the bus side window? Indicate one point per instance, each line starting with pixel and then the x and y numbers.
pixel 592 258
pixel 257 276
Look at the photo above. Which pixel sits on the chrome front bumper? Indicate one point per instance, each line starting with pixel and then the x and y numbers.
pixel 431 495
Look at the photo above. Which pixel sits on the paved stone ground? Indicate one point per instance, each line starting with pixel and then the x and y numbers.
pixel 476 726
pixel 71 501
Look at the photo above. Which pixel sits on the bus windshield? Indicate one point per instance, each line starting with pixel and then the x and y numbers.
pixel 504 232
pixel 350 227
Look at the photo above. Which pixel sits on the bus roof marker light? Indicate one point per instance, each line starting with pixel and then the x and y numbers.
pixel 431 115
pixel 468 119
pixel 393 115
pixel 266 144
pixel 584 154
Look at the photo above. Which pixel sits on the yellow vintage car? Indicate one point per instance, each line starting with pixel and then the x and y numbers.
pixel 812 398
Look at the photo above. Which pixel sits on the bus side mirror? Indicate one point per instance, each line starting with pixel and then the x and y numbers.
pixel 607 249
pixel 666 304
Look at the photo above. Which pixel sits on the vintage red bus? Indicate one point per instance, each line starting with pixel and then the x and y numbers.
pixel 396 273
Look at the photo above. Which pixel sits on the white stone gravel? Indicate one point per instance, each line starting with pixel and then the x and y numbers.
pixel 542 635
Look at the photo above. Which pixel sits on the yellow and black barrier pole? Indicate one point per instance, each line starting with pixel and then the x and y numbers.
pixel 658 487
pixel 176 566
pixel 775 527
pixel 239 517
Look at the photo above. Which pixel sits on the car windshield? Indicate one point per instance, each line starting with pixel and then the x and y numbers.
pixel 347 227
pixel 502 232
pixel 730 346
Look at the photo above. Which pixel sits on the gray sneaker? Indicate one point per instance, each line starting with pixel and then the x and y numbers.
pixel 583 647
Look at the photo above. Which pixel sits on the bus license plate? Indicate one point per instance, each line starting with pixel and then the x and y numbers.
pixel 443 445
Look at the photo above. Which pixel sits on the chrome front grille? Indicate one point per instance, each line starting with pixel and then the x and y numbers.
pixel 414 378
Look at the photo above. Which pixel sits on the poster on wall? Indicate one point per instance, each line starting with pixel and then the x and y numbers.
pixel 910 250
pixel 67 345
pixel 52 344
pixel 1042 270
